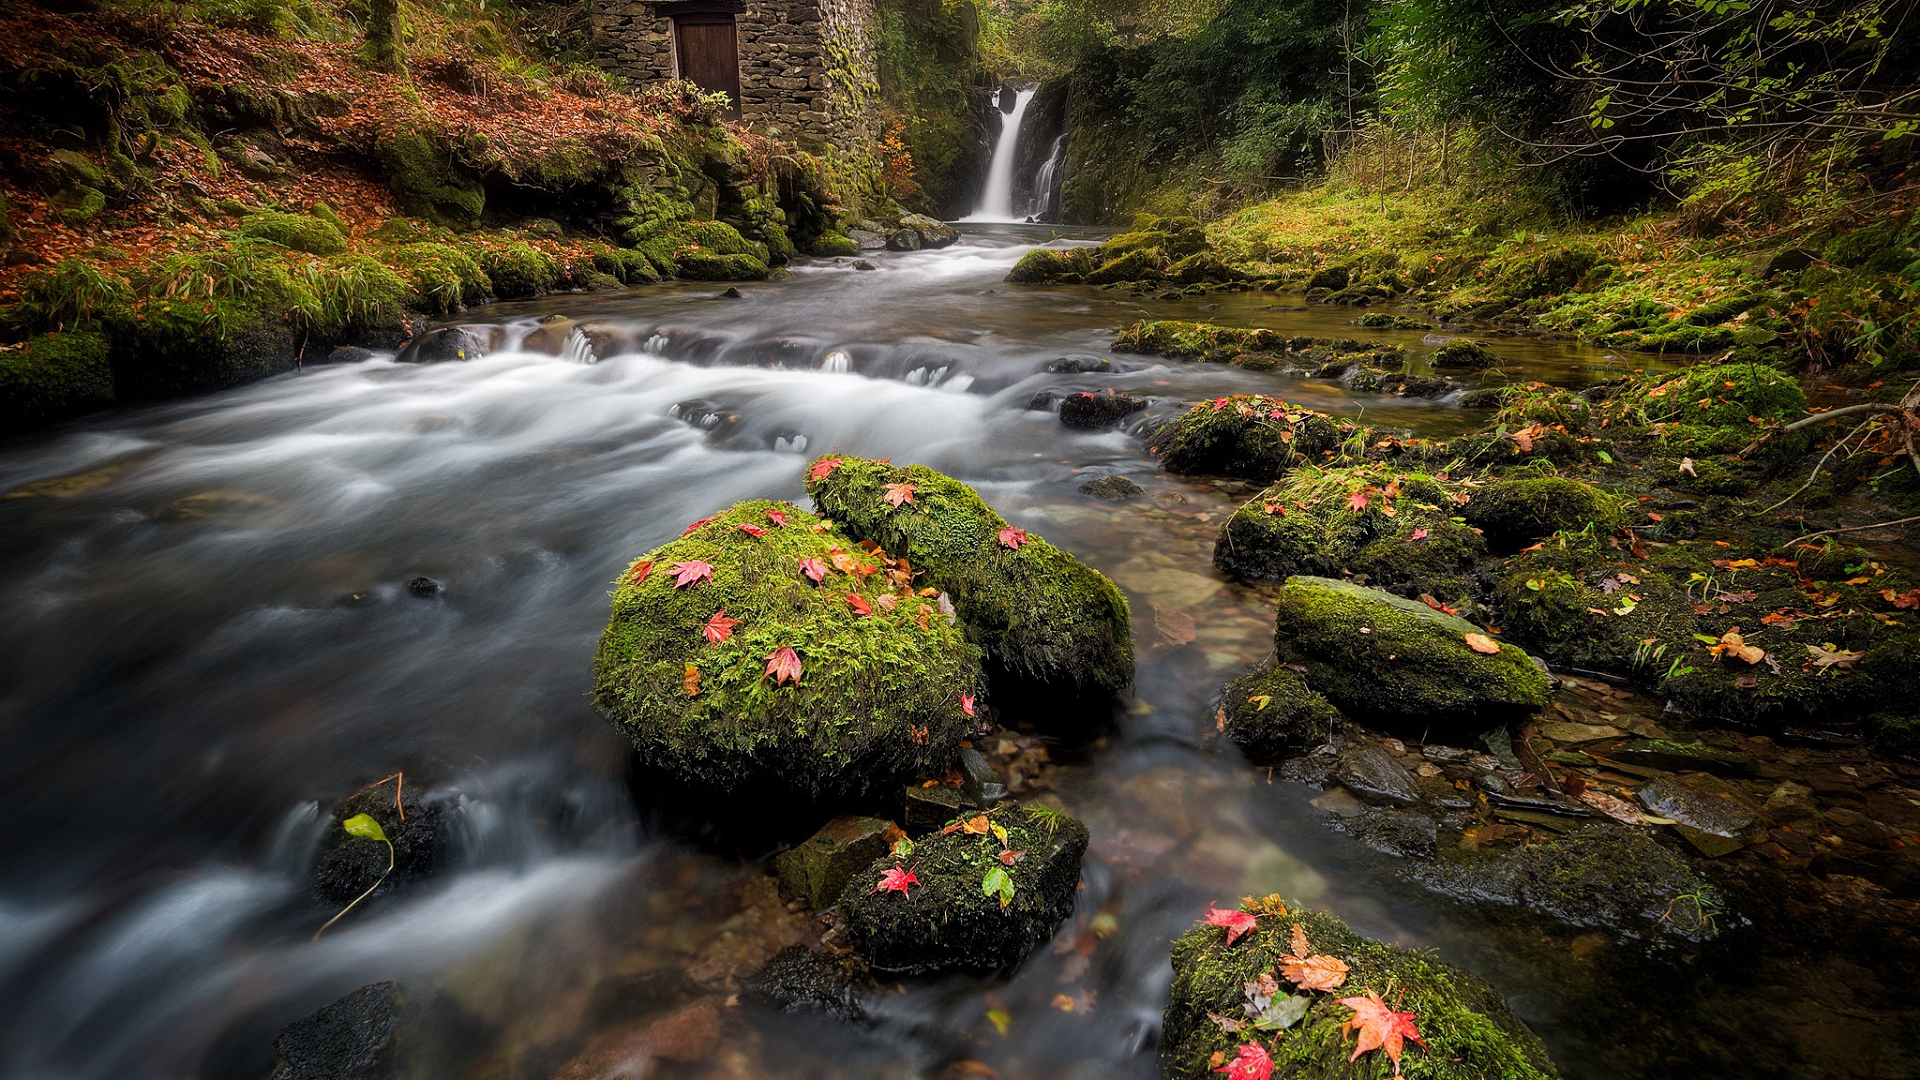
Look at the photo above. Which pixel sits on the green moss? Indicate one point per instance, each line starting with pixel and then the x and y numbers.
pixel 443 278
pixel 1739 396
pixel 326 213
pixel 706 266
pixel 1271 713
pixel 1399 662
pixel 1462 353
pixel 79 204
pixel 73 291
pixel 833 245
pixel 1248 435
pixel 625 265
pixel 427 180
pixel 1470 1032
pixel 1195 341
pixel 296 232
pixel 721 238
pixel 1143 265
pixel 880 698
pixel 1202 267
pixel 52 377
pixel 950 922
pixel 1045 265
pixel 1039 613
pixel 358 294
pixel 1517 512
pixel 519 269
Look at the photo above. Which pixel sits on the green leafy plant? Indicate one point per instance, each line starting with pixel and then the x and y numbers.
pixel 998 882
pixel 364 827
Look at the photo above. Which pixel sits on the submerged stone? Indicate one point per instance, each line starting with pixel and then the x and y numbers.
pixel 1399 662
pixel 1711 814
pixel 728 665
pixel 1375 776
pixel 1040 615
pixel 1470 1032
pixel 1113 489
pixel 798 979
pixel 952 920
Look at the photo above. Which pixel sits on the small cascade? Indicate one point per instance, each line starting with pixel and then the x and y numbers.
pixel 1046 182
pixel 996 199
pixel 578 349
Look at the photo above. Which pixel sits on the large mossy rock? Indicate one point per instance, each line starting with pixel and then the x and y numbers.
pixel 950 921
pixel 1471 1034
pixel 1272 714
pixel 1519 511
pixel 1250 436
pixel 1398 662
pixel 1196 341
pixel 1052 265
pixel 52 377
pixel 881 698
pixel 1041 615
pixel 1392 529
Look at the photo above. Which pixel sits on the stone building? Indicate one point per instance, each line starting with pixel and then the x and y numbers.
pixel 801 69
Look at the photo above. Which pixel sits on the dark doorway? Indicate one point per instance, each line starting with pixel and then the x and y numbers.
pixel 704 43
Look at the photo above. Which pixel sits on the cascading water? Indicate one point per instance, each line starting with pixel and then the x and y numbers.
pixel 996 198
pixel 1046 181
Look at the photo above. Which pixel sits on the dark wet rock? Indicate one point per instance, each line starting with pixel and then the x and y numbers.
pixel 354 1038
pixel 1471 1033
pixel 1447 755
pixel 350 354
pixel 932 232
pixel 867 240
pixel 1376 776
pixel 930 807
pixel 1380 320
pixel 1271 714
pixel 1711 814
pixel 447 343
pixel 1464 353
pixel 1400 833
pixel 1600 875
pixel 1399 662
pixel 423 587
pixel 798 979
pixel 1516 512
pixel 1484 398
pixel 983 786
pixel 820 867
pixel 1043 401
pixel 1369 380
pixel 349 865
pixel 903 240
pixel 948 923
pixel 1079 365
pixel 1097 410
pixel 1332 277
pixel 863 264
pixel 1242 436
pixel 733 293
pixel 1684 757
pixel 1113 489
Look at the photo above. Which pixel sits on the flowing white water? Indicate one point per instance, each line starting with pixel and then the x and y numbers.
pixel 996 199
pixel 1044 181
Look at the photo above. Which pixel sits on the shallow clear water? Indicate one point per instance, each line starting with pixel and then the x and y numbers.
pixel 208 635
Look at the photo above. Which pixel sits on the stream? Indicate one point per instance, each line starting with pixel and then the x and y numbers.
pixel 209 637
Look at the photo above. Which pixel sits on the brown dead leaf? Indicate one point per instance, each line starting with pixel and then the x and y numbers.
pixel 1732 644
pixel 1314 972
pixel 1300 947
pixel 1481 643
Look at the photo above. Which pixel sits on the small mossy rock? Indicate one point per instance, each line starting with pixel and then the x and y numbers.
pixel 1251 436
pixel 818 869
pixel 1112 489
pixel 833 245
pixel 444 279
pixel 1398 662
pixel 1143 265
pixel 52 377
pixel 879 698
pixel 1271 714
pixel 1470 1032
pixel 354 1038
pixel 934 233
pixel 950 922
pixel 1105 408
pixel 67 168
pixel 295 232
pixel 903 240
pixel 1196 341
pixel 519 269
pixel 1333 278
pixel 1516 512
pixel 79 204
pixel 349 865
pixel 1045 265
pixel 1464 353
pixel 706 266
pixel 1714 396
pixel 1203 266
pixel 1605 876
pixel 1041 615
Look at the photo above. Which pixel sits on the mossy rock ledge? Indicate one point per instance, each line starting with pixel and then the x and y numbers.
pixel 1399 663
pixel 1471 1034
pixel 950 921
pixel 1250 436
pixel 1041 616
pixel 881 698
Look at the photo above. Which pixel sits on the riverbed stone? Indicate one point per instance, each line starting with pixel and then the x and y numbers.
pixel 1710 813
pixel 350 865
pixel 354 1038
pixel 1041 616
pixel 1471 1033
pixel 1677 756
pixel 1399 662
pixel 1112 489
pixel 1464 353
pixel 1250 436
pixel 883 688
pixel 949 922
pixel 933 232
pixel 798 979
pixel 1088 409
pixel 1517 512
pixel 1376 776
pixel 820 867
pixel 929 806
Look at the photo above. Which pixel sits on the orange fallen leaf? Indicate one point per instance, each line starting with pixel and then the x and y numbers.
pixel 1481 643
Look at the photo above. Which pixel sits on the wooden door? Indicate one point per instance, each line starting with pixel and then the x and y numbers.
pixel 708 55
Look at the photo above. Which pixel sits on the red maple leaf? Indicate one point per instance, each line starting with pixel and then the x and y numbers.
pixel 779 518
pixel 1238 923
pixel 686 573
pixel 751 530
pixel 1219 403
pixel 859 604
pixel 814 569
pixel 896 880
pixel 640 570
pixel 1012 538
pixel 1357 501
pixel 1251 1064
pixel 1380 1027
pixel 898 494
pixel 783 664
pixel 698 524
pixel 719 628
pixel 1420 534
pixel 823 467
pixel 966 704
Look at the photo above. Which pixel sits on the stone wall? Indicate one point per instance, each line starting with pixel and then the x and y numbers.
pixel 808 68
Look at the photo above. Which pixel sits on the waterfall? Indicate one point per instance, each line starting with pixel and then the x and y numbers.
pixel 996 199
pixel 1047 179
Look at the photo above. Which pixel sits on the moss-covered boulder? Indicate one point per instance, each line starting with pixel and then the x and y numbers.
pixel 707 266
pixel 1519 511
pixel 1464 353
pixel 1145 264
pixel 728 663
pixel 1250 436
pixel 426 180
pixel 1470 1032
pixel 987 893
pixel 1049 265
pixel 1711 408
pixel 1041 615
pixel 1196 341
pixel 52 377
pixel 1399 662
pixel 519 269
pixel 1271 713
pixel 1391 529
pixel 296 232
